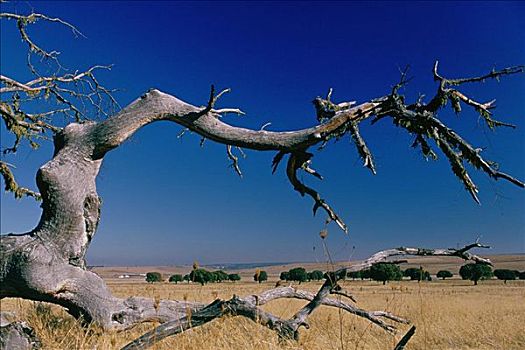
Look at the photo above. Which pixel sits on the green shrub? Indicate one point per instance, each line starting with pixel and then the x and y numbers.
pixel 260 276
pixel 298 274
pixel 200 276
pixel 220 275
pixel 385 272
pixel 365 274
pixel 505 275
pixel 284 276
pixel 444 274
pixel 416 274
pixel 475 272
pixel 175 278
pixel 153 277
pixel 234 277
pixel 354 274
pixel 315 275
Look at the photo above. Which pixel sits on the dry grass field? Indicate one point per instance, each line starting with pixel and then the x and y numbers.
pixel 450 314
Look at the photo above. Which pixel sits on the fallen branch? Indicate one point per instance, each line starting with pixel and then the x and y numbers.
pixel 249 306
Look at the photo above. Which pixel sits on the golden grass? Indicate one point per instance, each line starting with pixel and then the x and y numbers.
pixel 448 314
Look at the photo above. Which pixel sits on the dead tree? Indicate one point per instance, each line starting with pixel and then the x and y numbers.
pixel 48 263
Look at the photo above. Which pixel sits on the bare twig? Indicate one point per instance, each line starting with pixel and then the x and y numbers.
pixel 234 159
pixel 362 148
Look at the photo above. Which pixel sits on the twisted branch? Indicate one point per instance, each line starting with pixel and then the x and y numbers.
pixel 299 160
pixel 421 120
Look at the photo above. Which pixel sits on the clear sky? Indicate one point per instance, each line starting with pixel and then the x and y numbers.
pixel 169 201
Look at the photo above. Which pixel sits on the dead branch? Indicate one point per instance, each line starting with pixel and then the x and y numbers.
pixel 234 159
pixel 298 160
pixel 249 306
pixel 383 255
pixel 421 120
pixel 362 148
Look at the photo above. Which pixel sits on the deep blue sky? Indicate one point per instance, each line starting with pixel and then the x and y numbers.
pixel 168 201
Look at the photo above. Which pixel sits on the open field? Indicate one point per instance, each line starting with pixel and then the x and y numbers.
pixel 450 314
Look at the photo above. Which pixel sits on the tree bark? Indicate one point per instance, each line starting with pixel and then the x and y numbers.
pixel 16 335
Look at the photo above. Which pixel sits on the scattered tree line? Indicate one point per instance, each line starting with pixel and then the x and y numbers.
pixel 508 275
pixel 299 274
pixel 198 275
pixel 477 272
pixel 382 272
pixel 474 272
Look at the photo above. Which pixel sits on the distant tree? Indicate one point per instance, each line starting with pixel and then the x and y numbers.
pixel 505 275
pixel 298 274
pixel 212 277
pixel 365 274
pixel 416 274
pixel 315 275
pixel 187 278
pixel 220 275
pixel 153 277
pixel 444 274
pixel 412 272
pixel 385 272
pixel 354 275
pixel 175 278
pixel 475 272
pixel 263 276
pixel 234 277
pixel 200 276
pixel 522 275
pixel 284 276
pixel 260 276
